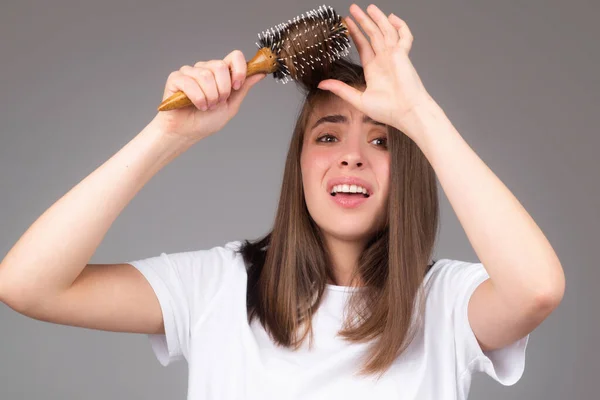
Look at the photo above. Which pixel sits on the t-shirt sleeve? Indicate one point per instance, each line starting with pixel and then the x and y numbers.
pixel 506 365
pixel 184 284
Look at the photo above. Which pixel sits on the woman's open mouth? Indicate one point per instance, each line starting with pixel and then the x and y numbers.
pixel 349 200
pixel 349 194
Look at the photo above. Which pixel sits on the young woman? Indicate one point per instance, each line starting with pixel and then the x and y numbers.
pixel 339 300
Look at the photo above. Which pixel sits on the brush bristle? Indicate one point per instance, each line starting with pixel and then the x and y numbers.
pixel 306 45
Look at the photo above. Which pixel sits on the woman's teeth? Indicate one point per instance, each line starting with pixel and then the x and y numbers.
pixel 350 189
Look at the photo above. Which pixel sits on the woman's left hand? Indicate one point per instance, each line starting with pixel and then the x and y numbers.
pixel 394 88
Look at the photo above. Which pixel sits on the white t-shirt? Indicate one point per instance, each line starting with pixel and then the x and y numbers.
pixel 202 295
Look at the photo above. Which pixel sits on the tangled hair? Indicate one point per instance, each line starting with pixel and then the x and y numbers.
pixel 289 267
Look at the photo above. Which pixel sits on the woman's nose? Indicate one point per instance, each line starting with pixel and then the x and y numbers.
pixel 346 161
pixel 352 156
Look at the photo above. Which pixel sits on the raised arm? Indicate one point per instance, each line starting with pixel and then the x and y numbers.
pixel 46 274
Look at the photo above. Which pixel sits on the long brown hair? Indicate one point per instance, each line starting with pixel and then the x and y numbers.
pixel 289 267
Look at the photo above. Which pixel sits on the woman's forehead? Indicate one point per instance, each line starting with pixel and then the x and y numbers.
pixel 333 105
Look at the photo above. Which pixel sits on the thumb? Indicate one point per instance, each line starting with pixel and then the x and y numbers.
pixel 343 90
pixel 237 96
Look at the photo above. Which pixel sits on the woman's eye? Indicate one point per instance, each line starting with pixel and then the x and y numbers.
pixel 326 136
pixel 383 141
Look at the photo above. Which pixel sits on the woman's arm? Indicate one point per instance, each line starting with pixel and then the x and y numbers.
pixel 53 251
pixel 526 277
pixel 46 275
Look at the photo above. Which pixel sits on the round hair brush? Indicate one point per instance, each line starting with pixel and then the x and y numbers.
pixel 293 50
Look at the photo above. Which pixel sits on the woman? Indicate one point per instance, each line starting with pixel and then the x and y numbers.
pixel 338 300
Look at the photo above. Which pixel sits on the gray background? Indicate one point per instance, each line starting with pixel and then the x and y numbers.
pixel 519 79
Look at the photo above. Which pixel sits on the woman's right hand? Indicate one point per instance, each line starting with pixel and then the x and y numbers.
pixel 212 86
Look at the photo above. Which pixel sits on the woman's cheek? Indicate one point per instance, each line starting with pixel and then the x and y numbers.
pixel 322 160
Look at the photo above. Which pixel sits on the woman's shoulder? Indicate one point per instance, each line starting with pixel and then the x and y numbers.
pixel 211 258
pixel 452 273
pixel 225 253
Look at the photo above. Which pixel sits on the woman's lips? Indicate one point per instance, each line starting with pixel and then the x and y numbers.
pixel 349 200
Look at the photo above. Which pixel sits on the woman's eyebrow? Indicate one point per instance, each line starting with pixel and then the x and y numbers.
pixel 337 118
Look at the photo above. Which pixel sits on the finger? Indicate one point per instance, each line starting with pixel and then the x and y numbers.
pixel 390 34
pixel 206 80
pixel 367 24
pixel 406 36
pixel 222 78
pixel 343 90
pixel 177 81
pixel 365 51
pixel 238 66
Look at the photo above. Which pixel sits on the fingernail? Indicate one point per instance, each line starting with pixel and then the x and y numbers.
pixel 236 85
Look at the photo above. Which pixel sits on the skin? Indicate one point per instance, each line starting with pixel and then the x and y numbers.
pixel 355 148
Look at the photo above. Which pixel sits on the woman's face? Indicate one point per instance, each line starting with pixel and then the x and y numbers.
pixel 343 146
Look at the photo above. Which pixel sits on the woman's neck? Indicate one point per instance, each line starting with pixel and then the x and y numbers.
pixel 344 257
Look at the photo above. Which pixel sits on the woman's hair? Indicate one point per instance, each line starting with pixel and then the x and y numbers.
pixel 289 267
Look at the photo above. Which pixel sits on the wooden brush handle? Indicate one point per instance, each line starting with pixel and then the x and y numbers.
pixel 264 61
